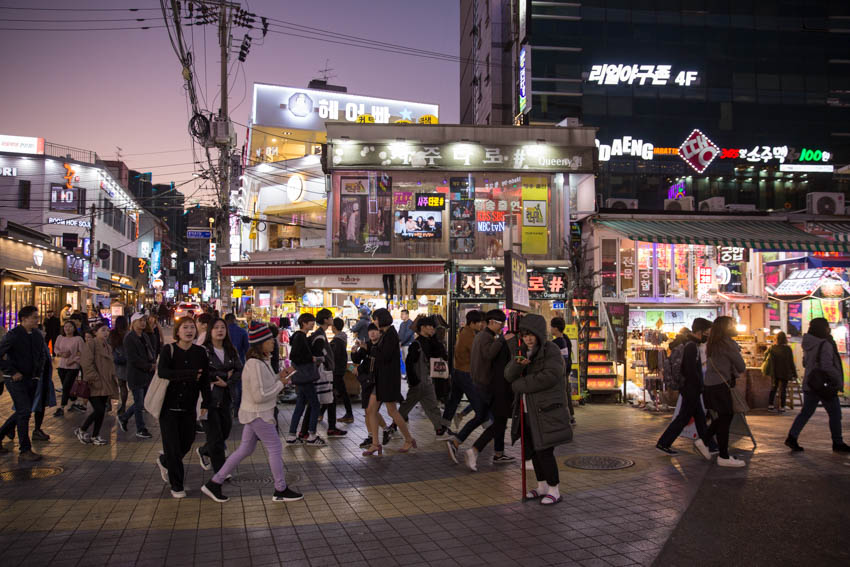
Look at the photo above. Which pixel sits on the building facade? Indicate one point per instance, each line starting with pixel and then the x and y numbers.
pixel 766 88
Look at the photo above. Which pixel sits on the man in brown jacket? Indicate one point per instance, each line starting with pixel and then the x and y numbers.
pixel 462 377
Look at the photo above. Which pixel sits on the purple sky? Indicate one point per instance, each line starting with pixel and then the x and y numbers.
pixel 101 89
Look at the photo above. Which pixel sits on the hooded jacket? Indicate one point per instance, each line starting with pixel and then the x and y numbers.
pixel 543 384
pixel 419 357
pixel 724 364
pixel 361 328
pixel 339 346
pixel 828 361
pixel 99 369
pixel 463 349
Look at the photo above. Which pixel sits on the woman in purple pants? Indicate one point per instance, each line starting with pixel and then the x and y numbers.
pixel 260 387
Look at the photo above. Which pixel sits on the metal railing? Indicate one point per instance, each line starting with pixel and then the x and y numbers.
pixel 67 152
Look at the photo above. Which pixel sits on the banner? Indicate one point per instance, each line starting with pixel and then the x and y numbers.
pixel 516 282
pixel 535 199
pixel 618 319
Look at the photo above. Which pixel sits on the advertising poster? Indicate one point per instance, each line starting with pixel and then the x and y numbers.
pixel 464 187
pixel 462 222
pixel 403 201
pixel 618 318
pixel 831 310
pixel 354 185
pixel 421 224
pixel 535 196
pixel 380 223
pixel 352 222
pixel 795 319
pixel 516 282
pixel 653 318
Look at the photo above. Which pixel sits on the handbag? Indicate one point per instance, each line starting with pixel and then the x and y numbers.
pixel 155 395
pixel 739 404
pixel 767 365
pixel 81 389
pixel 439 368
pixel 305 374
pixel 820 382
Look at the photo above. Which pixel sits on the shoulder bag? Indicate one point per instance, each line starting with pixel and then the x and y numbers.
pixel 820 382
pixel 767 365
pixel 739 404
pixel 439 368
pixel 81 388
pixel 155 395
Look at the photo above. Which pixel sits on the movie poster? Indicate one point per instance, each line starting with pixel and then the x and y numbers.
pixel 462 227
pixel 352 223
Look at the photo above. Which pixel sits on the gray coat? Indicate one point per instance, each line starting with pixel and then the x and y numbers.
pixel 829 361
pixel 724 364
pixel 543 382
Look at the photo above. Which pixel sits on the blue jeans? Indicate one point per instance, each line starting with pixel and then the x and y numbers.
pixel 810 404
pixel 480 401
pixel 136 409
pixel 236 395
pixel 306 395
pixel 23 393
pixel 461 384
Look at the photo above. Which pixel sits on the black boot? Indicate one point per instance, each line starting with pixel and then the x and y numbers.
pixel 791 442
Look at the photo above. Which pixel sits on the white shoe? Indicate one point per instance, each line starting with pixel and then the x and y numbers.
pixel 731 462
pixel 178 494
pixel 702 449
pixel 471 459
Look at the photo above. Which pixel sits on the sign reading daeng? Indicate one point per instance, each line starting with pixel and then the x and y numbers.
pixel 462 156
pixel 310 109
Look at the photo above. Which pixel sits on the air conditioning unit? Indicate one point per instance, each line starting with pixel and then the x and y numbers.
pixel 617 203
pixel 683 204
pixel 825 203
pixel 737 208
pixel 713 204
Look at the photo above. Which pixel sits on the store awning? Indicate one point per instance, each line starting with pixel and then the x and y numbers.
pixel 331 269
pixel 753 234
pixel 118 284
pixel 44 279
pixel 839 230
pixel 814 262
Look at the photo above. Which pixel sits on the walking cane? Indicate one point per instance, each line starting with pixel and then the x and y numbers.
pixel 522 444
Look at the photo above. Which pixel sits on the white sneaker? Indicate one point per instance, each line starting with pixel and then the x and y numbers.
pixel 731 462
pixel 98 440
pixel 178 494
pixel 471 459
pixel 702 449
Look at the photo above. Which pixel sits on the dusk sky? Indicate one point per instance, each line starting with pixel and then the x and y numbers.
pixel 101 89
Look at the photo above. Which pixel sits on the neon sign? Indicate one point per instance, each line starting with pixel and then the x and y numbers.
pixel 659 75
pixel 625 146
pixel 523 99
pixel 676 191
pixel 698 151
pixel 69 175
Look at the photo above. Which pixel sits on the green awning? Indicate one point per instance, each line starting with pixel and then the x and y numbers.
pixel 767 235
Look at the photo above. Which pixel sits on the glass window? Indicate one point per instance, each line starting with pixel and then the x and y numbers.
pixel 23 194
pixel 627 269
pixel 608 273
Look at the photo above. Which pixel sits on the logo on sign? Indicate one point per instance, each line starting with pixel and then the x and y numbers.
pixel 698 151
pixel 523 101
pixel 38 257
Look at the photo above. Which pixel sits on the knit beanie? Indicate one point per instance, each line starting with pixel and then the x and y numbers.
pixel 259 333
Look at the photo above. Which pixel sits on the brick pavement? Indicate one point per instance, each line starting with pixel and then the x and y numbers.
pixel 110 507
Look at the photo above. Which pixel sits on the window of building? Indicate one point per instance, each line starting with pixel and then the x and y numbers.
pixel 23 194
pixel 118 262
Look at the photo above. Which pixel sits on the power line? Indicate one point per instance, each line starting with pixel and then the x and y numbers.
pixel 78 9
pixel 82 29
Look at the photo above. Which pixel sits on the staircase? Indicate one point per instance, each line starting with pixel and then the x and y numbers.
pixel 600 372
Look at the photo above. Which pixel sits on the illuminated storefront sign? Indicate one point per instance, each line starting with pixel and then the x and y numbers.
pixel 462 156
pixel 625 146
pixel 64 199
pixel 8 171
pixel 69 175
pixel 698 151
pixel 677 190
pixel 649 75
pixel 523 80
pixel 69 222
pixel 310 109
pixel 21 144
pixel 490 285
pixel 792 167
pixel 156 262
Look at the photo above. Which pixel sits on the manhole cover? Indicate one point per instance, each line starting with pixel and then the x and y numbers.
pixel 598 463
pixel 251 479
pixel 34 473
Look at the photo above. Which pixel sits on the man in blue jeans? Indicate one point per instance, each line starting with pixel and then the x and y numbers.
pixel 22 358
pixel 141 362
pixel 462 383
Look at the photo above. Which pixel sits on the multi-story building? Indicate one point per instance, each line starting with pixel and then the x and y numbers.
pixel 765 86
pixel 70 196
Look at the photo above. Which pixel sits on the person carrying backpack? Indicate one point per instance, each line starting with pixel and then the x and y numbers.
pixel 687 375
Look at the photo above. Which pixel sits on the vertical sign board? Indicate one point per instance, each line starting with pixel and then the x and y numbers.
pixel 524 89
pixel 618 317
pixel 516 282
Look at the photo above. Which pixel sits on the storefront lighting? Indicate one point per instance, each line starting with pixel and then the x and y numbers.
pixel 399 147
pixel 489 269
pixel 16 283
pixel 741 328
pixel 533 150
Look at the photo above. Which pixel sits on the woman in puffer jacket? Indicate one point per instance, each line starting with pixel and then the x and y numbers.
pixel 536 373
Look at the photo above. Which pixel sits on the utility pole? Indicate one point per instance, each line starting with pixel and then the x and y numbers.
pixel 224 160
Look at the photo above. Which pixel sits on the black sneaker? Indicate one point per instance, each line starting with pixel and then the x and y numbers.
pixel 841 447
pixel 366 443
pixel 388 436
pixel 666 450
pixel 122 425
pixel 337 433
pixel 791 443
pixel 203 459
pixel 287 495
pixel 317 441
pixel 59 413
pixel 144 434
pixel 39 435
pixel 213 490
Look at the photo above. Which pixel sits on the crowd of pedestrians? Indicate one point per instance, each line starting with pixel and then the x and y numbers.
pixel 212 373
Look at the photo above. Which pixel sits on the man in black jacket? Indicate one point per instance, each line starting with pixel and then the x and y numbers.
pixel 141 362
pixel 421 386
pixel 22 358
pixel 339 346
pixel 691 392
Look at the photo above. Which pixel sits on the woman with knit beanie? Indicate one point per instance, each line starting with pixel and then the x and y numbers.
pixel 260 387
